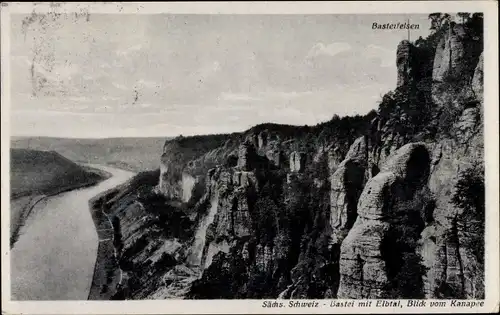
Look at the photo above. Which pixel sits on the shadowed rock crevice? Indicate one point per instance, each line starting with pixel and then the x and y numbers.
pixel 417 167
pixel 354 177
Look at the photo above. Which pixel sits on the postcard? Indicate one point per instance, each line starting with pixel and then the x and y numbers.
pixel 250 157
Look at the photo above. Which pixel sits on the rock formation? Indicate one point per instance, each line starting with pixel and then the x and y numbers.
pixel 365 260
pixel 456 54
pixel 477 80
pixel 246 156
pixel 450 52
pixel 274 153
pixel 346 185
pixel 297 161
pixel 404 63
pixel 360 207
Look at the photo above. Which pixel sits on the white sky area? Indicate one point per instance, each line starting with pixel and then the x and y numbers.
pixel 119 75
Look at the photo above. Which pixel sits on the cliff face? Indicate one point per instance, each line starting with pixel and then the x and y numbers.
pixel 405 63
pixel 455 268
pixel 409 227
pixel 184 163
pixel 456 53
pixel 346 185
pixel 387 205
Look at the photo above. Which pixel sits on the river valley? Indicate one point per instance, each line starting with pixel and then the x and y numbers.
pixel 55 254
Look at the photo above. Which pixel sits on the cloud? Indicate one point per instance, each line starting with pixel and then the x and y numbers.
pixel 66 71
pixel 148 83
pixel 119 86
pixel 110 98
pixel 387 57
pixel 207 70
pixel 241 77
pixel 263 96
pixel 327 50
pixel 79 99
pixel 78 107
pixel 56 73
pixel 21 60
pixel 45 112
pixel 117 64
pixel 103 109
pixel 237 97
pixel 288 95
pixel 129 50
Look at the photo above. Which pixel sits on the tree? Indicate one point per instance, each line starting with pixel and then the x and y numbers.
pixel 435 20
pixel 446 19
pixel 464 16
pixel 469 196
pixel 469 191
pixel 476 24
pixel 266 218
pixel 419 41
pixel 439 20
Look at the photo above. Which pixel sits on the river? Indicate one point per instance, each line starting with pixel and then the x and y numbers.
pixel 55 254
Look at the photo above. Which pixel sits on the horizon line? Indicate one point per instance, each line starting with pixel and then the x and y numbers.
pixel 198 134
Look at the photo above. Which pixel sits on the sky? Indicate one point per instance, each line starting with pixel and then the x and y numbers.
pixel 129 75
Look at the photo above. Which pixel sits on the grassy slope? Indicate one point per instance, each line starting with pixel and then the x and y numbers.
pixel 134 154
pixel 44 172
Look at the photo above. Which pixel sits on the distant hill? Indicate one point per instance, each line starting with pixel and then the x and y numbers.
pixel 45 172
pixel 135 154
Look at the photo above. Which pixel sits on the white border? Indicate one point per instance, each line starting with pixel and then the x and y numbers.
pixel 254 306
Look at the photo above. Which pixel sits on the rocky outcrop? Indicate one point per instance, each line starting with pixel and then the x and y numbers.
pixel 297 161
pixel 363 211
pixel 335 157
pixel 264 257
pixel 346 185
pixel 456 59
pixel 456 54
pixel 466 125
pixel 414 64
pixel 365 263
pixel 403 63
pixel 274 153
pixel 450 51
pixel 186 158
pixel 453 269
pixel 231 217
pixel 188 185
pixel 477 79
pixel 262 139
pixel 170 175
pixel 246 156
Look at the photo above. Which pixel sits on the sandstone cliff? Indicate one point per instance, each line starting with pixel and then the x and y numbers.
pixel 382 205
pixel 429 236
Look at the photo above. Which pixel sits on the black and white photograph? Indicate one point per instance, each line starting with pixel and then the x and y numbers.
pixel 307 160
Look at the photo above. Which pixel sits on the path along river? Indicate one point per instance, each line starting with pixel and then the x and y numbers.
pixel 55 254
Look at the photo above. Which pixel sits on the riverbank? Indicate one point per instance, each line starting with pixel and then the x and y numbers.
pixel 151 239
pixel 107 275
pixel 22 205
